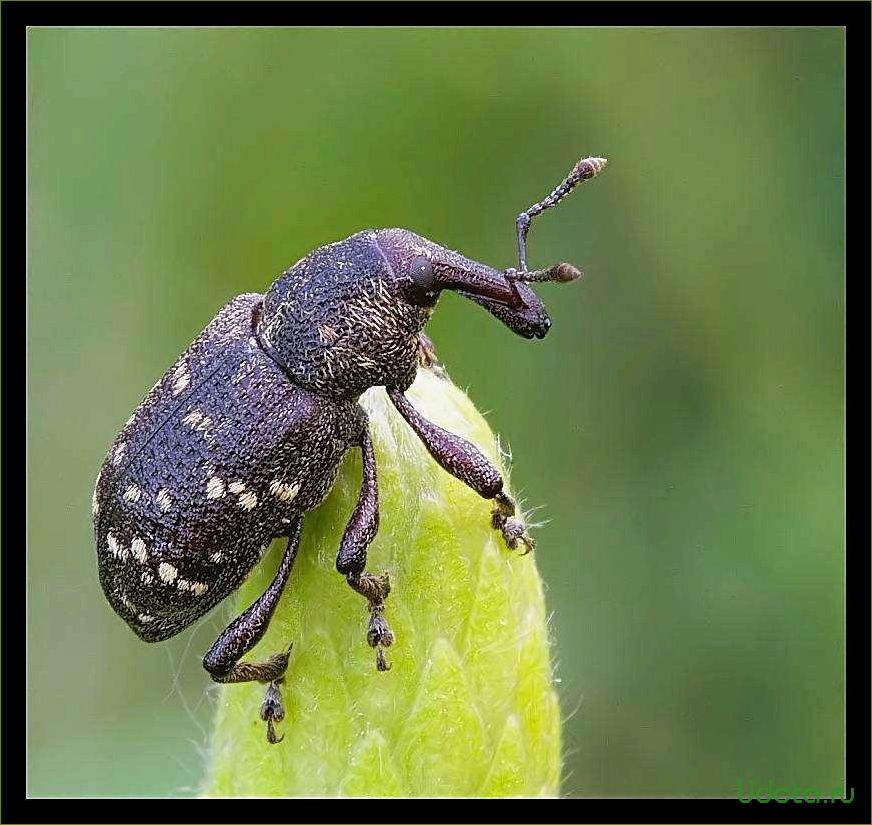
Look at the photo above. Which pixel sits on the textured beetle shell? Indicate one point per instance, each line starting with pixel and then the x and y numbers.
pixel 217 460
pixel 339 323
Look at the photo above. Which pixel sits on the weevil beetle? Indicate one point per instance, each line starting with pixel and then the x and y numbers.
pixel 246 431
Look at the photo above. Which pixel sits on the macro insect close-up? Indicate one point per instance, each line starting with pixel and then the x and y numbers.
pixel 412 508
pixel 245 432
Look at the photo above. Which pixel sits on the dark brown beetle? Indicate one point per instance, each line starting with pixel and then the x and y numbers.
pixel 246 431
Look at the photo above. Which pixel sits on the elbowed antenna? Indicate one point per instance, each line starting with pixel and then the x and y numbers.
pixel 585 169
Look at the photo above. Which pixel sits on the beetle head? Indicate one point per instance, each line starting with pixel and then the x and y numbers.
pixel 422 270
pixel 347 316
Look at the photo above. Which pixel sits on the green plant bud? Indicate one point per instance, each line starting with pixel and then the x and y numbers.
pixel 468 707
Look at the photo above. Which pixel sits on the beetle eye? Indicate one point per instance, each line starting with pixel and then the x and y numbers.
pixel 423 282
pixel 421 272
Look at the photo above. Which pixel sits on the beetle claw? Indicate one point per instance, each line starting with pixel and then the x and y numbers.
pixel 527 541
pixel 271 733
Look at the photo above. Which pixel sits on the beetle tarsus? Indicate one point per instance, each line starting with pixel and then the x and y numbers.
pixel 513 529
pixel 273 710
pixel 267 671
pixel 375 590
pixel 514 533
pixel 379 635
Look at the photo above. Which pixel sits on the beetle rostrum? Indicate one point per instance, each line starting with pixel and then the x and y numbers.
pixel 246 431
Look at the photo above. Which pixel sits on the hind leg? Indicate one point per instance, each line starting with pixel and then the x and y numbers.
pixel 244 632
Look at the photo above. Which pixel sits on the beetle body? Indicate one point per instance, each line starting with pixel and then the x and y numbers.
pixel 217 460
pixel 246 431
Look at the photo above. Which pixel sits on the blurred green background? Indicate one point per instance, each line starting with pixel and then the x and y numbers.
pixel 681 426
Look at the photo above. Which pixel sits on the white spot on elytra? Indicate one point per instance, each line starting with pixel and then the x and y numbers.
pixel 216 557
pixel 248 501
pixel 193 418
pixel 145 618
pixel 115 548
pixel 199 588
pixel 167 572
pixel 137 547
pixel 146 577
pixel 164 500
pixel 215 487
pixel 183 584
pixel 197 421
pixel 181 379
pixel 132 493
pixel 118 453
pixel 283 491
pixel 237 487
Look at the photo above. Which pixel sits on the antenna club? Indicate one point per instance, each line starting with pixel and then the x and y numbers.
pixel 564 273
pixel 589 167
pixel 561 273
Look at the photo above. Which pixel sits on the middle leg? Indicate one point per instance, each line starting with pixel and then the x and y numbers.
pixel 351 560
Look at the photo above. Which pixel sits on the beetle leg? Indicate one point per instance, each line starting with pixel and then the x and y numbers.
pixel 466 463
pixel 351 559
pixel 244 632
pixel 427 357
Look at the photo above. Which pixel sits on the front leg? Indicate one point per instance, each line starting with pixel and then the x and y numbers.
pixel 244 632
pixel 427 357
pixel 466 463
pixel 351 560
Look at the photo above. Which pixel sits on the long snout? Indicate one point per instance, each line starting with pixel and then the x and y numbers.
pixel 527 318
pixel 505 295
